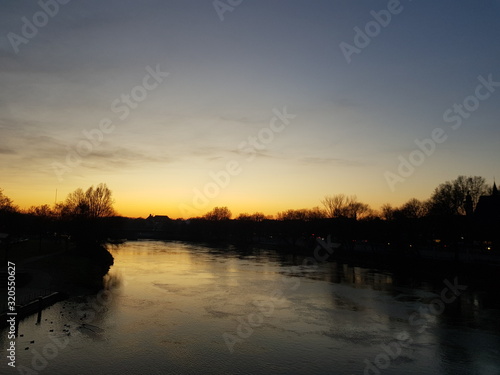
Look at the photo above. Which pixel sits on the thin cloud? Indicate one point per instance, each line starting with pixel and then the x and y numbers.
pixel 7 151
pixel 334 161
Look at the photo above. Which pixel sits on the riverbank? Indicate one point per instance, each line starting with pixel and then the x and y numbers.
pixel 45 268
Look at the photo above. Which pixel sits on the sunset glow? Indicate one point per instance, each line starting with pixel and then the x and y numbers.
pixel 156 99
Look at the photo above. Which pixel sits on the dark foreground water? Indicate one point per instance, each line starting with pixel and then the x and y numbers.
pixel 178 308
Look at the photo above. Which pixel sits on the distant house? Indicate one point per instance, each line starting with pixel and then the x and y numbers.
pixel 158 218
pixel 158 222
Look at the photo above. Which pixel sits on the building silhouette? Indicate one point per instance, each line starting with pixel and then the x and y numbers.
pixel 487 218
pixel 488 207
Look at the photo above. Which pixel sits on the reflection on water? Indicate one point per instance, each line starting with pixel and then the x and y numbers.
pixel 178 308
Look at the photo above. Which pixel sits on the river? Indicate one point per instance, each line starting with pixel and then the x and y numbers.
pixel 180 308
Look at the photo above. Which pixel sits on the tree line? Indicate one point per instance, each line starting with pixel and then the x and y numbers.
pixel 81 215
pixel 89 216
pixel 448 199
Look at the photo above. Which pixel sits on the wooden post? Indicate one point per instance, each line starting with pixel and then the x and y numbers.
pixel 40 308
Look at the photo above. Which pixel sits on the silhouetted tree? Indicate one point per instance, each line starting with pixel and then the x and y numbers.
pixel 9 215
pixel 218 214
pixel 42 211
pixel 303 214
pixel 335 205
pixel 343 206
pixel 449 198
pixel 292 214
pixel 93 203
pixel 387 212
pixel 357 210
pixel 257 217
pixel 10 222
pixel 83 214
pixel 250 227
pixel 412 209
pixel 6 204
pixel 369 214
pixel 316 213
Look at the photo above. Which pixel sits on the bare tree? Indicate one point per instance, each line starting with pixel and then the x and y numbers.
pixel 257 216
pixel 300 214
pixel 341 205
pixel 43 211
pixel 93 203
pixel 218 214
pixel 6 204
pixel 473 185
pixel 303 214
pixel 7 214
pixel 356 210
pixel 413 209
pixel 316 213
pixel 100 201
pixel 387 212
pixel 449 198
pixel 335 205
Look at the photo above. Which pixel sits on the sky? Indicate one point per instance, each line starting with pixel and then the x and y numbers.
pixel 180 106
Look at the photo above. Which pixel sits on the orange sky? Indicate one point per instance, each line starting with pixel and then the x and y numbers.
pixel 156 100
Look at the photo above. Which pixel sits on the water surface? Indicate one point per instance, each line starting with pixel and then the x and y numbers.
pixel 179 308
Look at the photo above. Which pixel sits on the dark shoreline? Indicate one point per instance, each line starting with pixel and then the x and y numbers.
pixel 78 271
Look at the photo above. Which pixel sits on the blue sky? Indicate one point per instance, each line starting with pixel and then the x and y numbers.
pixel 225 78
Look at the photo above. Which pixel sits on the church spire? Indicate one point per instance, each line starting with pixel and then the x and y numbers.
pixel 494 190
